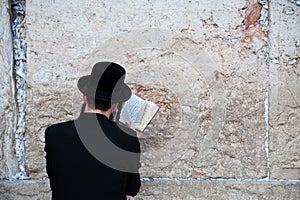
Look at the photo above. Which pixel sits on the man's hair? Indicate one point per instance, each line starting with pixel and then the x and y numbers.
pixel 98 104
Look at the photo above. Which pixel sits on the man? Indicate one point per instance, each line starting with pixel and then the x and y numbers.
pixel 93 157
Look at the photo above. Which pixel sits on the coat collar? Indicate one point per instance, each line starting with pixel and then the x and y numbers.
pixel 87 115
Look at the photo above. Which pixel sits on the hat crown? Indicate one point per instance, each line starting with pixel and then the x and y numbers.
pixel 107 76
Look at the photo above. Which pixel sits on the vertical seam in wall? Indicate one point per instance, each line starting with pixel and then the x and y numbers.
pixel 265 21
pixel 267 127
pixel 19 68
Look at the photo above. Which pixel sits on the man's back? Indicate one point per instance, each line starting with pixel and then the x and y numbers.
pixel 76 174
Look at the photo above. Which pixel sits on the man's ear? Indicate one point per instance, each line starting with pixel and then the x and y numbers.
pixel 84 98
pixel 114 106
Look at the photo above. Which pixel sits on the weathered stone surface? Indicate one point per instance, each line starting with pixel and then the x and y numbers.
pixel 25 190
pixel 284 94
pixel 219 189
pixel 204 59
pixel 8 164
pixel 171 189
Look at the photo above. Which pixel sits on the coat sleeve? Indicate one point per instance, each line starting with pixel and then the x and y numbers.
pixel 48 156
pixel 133 179
pixel 133 184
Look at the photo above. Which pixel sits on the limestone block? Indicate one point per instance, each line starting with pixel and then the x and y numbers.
pixel 8 164
pixel 25 190
pixel 204 69
pixel 171 189
pixel 284 91
pixel 218 189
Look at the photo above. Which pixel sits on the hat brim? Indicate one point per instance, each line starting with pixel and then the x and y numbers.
pixel 122 94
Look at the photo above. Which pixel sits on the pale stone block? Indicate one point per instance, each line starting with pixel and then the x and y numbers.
pixel 284 91
pixel 218 189
pixel 25 190
pixel 8 114
pixel 171 189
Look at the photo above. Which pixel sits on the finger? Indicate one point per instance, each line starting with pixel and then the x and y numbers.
pixel 129 197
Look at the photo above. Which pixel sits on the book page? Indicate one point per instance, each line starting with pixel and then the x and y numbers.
pixel 149 113
pixel 133 110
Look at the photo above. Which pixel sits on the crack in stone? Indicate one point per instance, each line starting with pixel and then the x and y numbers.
pixel 264 21
pixel 19 57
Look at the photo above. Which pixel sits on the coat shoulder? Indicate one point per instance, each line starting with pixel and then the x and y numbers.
pixel 59 127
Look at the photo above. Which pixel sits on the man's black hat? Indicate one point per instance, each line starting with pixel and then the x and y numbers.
pixel 106 83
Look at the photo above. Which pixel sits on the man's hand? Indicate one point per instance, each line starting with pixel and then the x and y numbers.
pixel 132 126
pixel 129 197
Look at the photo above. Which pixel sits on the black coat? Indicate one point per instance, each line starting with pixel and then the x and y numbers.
pixel 75 173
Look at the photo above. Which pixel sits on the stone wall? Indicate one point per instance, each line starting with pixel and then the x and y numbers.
pixel 226 74
pixel 202 57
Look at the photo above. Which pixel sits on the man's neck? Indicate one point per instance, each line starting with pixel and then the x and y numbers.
pixel 105 113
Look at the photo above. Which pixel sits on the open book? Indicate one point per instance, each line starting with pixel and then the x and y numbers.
pixel 138 111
